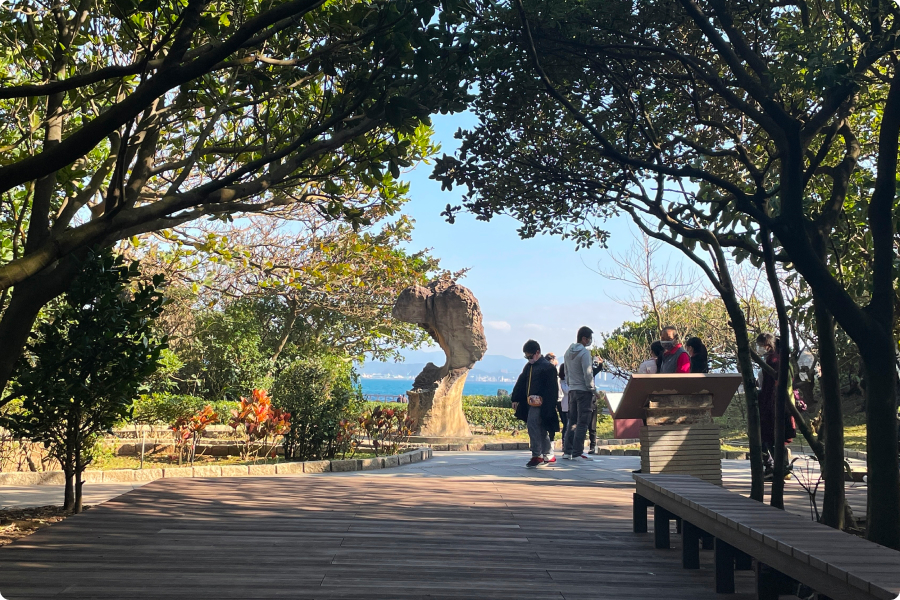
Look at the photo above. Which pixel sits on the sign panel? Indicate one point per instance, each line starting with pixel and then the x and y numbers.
pixel 722 386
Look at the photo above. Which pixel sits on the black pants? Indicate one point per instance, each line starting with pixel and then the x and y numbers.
pixel 592 426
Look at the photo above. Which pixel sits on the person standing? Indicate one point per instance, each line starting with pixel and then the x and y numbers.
pixel 580 379
pixel 563 407
pixel 651 365
pixel 534 402
pixel 768 346
pixel 699 356
pixel 674 359
pixel 551 358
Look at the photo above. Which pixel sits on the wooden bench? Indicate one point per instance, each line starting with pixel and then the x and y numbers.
pixel 834 563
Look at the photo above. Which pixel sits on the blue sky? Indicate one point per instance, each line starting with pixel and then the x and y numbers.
pixel 539 288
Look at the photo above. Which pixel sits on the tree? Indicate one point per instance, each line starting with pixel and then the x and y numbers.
pixel 255 296
pixel 325 284
pixel 118 118
pixel 319 393
pixel 656 282
pixel 85 364
pixel 751 120
pixel 624 348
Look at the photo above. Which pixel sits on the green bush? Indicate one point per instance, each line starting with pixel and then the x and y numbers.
pixel 491 413
pixel 492 419
pixel 489 401
pixel 162 408
pixel 319 393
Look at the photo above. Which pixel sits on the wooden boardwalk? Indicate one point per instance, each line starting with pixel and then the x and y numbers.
pixel 406 535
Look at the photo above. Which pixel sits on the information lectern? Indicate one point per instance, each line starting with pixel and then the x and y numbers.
pixel 679 435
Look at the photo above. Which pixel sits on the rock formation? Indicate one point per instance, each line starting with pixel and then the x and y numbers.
pixel 451 316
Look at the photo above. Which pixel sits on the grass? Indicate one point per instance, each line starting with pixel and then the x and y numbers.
pixel 855 437
pixel 733 425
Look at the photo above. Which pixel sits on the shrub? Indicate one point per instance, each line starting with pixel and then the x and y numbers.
pixel 489 401
pixel 188 432
pixel 492 419
pixel 387 428
pixel 259 421
pixel 84 364
pixel 319 393
pixel 162 408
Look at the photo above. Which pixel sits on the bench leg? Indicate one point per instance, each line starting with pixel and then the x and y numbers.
pixel 724 568
pixel 772 583
pixel 767 582
pixel 661 519
pixel 742 561
pixel 690 546
pixel 707 540
pixel 639 513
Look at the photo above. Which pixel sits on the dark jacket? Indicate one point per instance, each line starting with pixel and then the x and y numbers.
pixel 544 384
pixel 766 402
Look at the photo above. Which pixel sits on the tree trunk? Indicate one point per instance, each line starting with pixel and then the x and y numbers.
pixel 883 506
pixel 784 371
pixel 781 399
pixel 79 470
pixel 26 302
pixel 293 313
pixel 69 495
pixel 745 365
pixel 833 420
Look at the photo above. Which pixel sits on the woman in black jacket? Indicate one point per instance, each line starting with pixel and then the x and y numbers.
pixel 537 381
pixel 699 357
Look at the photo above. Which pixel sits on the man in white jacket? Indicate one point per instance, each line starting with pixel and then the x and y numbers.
pixel 580 379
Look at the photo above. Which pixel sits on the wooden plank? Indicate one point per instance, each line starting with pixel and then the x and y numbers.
pixel 376 537
pixel 840 565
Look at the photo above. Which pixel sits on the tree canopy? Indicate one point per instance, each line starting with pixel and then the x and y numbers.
pixel 120 118
pixel 759 128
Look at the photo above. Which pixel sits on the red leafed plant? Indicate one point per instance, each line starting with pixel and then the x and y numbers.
pixel 188 431
pixel 259 421
pixel 387 428
pixel 347 441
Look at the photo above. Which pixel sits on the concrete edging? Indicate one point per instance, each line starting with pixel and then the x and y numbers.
pixel 498 446
pixel 286 468
pixel 604 448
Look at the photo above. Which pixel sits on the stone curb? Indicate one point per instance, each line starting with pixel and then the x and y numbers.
pixel 604 448
pixel 287 468
pixel 496 446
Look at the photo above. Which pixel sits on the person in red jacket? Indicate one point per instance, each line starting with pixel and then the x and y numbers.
pixel 675 358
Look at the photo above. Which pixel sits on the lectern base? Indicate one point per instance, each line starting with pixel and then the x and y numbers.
pixel 684 449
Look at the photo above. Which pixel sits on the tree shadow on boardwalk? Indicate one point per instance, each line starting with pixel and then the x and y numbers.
pixel 355 537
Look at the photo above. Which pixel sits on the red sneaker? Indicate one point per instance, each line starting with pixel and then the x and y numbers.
pixel 550 461
pixel 534 462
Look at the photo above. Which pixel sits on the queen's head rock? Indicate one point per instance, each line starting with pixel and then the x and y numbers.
pixel 450 314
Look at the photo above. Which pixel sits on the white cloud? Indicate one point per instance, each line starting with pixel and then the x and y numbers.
pixel 499 325
pixel 536 327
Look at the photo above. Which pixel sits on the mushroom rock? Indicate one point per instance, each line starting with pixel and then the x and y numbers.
pixel 451 316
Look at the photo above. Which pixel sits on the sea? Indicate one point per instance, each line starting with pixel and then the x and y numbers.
pixel 399 387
